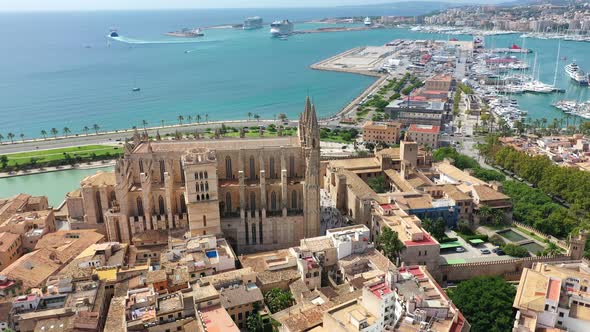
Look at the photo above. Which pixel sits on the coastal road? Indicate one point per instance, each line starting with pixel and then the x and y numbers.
pixel 112 137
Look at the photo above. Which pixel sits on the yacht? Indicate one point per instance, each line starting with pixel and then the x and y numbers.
pixel 252 23
pixel 281 28
pixel 368 21
pixel 576 73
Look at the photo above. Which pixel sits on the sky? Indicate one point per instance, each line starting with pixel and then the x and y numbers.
pixel 37 5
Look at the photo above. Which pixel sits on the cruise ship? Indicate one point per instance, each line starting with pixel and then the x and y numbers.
pixel 368 21
pixel 252 23
pixel 576 73
pixel 281 28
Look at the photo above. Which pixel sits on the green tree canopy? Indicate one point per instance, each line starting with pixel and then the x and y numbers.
pixel 486 302
pixel 390 244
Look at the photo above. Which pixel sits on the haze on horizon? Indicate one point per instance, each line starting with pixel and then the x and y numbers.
pixel 88 5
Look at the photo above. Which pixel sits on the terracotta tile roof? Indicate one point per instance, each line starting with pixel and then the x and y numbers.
pixel 32 268
pixel 99 179
pixel 66 245
pixel 416 128
pixel 219 144
pixel 486 193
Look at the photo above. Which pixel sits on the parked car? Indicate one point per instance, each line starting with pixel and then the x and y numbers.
pixel 500 252
pixel 485 251
pixel 460 249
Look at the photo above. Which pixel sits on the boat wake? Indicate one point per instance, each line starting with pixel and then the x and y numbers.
pixel 128 40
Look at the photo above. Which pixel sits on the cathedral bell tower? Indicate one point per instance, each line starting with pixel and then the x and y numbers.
pixel 309 136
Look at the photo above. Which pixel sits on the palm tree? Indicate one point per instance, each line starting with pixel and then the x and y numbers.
pixel 551 250
pixel 86 129
pixel 144 123
pixel 567 119
pixel 249 115
pixel 11 137
pixel 257 117
pixel 180 118
pixel 274 116
pixel 198 118
pixel 1 138
pixel 206 117
pixel 96 128
pixel 54 132
pixel 282 116
pixel 67 131
pixel 544 121
pixel 44 134
pixel 190 119
pixel 22 137
pixel 162 122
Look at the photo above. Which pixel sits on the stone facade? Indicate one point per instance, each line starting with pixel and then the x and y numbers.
pixel 260 193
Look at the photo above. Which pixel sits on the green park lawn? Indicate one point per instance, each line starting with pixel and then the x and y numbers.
pixel 59 154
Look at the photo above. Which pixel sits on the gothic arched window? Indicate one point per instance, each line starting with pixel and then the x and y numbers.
pixel 139 206
pixel 228 202
pixel 294 199
pixel 252 169
pixel 273 201
pixel 161 205
pixel 100 218
pixel 228 170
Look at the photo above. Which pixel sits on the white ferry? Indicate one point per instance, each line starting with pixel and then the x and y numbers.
pixel 252 23
pixel 281 28
pixel 576 73
pixel 368 21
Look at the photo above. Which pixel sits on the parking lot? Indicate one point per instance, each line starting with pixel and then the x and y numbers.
pixel 472 254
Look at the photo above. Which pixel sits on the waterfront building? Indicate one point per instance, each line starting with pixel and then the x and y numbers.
pixel 417 112
pixel 260 193
pixel 441 82
pixel 425 135
pixel 553 296
pixel 381 132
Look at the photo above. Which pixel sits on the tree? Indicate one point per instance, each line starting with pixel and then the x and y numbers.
pixel 378 184
pixel 86 130
pixel 206 117
pixel 257 117
pixel 4 161
pixel 22 137
pixel 198 118
pixel 282 117
pixel 180 118
pixel 277 299
pixel 144 123
pixel 190 118
pixel 66 131
pixel 96 128
pixel 515 251
pixel 254 323
pixel 1 138
pixel 436 227
pixel 10 137
pixel 249 115
pixel 486 303
pixel 54 132
pixel 551 250
pixel 44 134
pixel 390 244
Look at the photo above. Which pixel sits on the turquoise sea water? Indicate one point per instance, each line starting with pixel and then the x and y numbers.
pixel 59 69
pixel 63 71
pixel 54 185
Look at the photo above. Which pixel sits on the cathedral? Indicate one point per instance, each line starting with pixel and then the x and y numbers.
pixel 259 193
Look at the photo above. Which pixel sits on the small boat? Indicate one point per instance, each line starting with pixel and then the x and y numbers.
pixel 135 89
pixel 114 34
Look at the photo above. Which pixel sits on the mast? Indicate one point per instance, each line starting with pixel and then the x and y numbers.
pixel 556 63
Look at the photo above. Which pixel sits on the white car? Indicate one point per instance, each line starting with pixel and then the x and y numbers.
pixel 460 249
